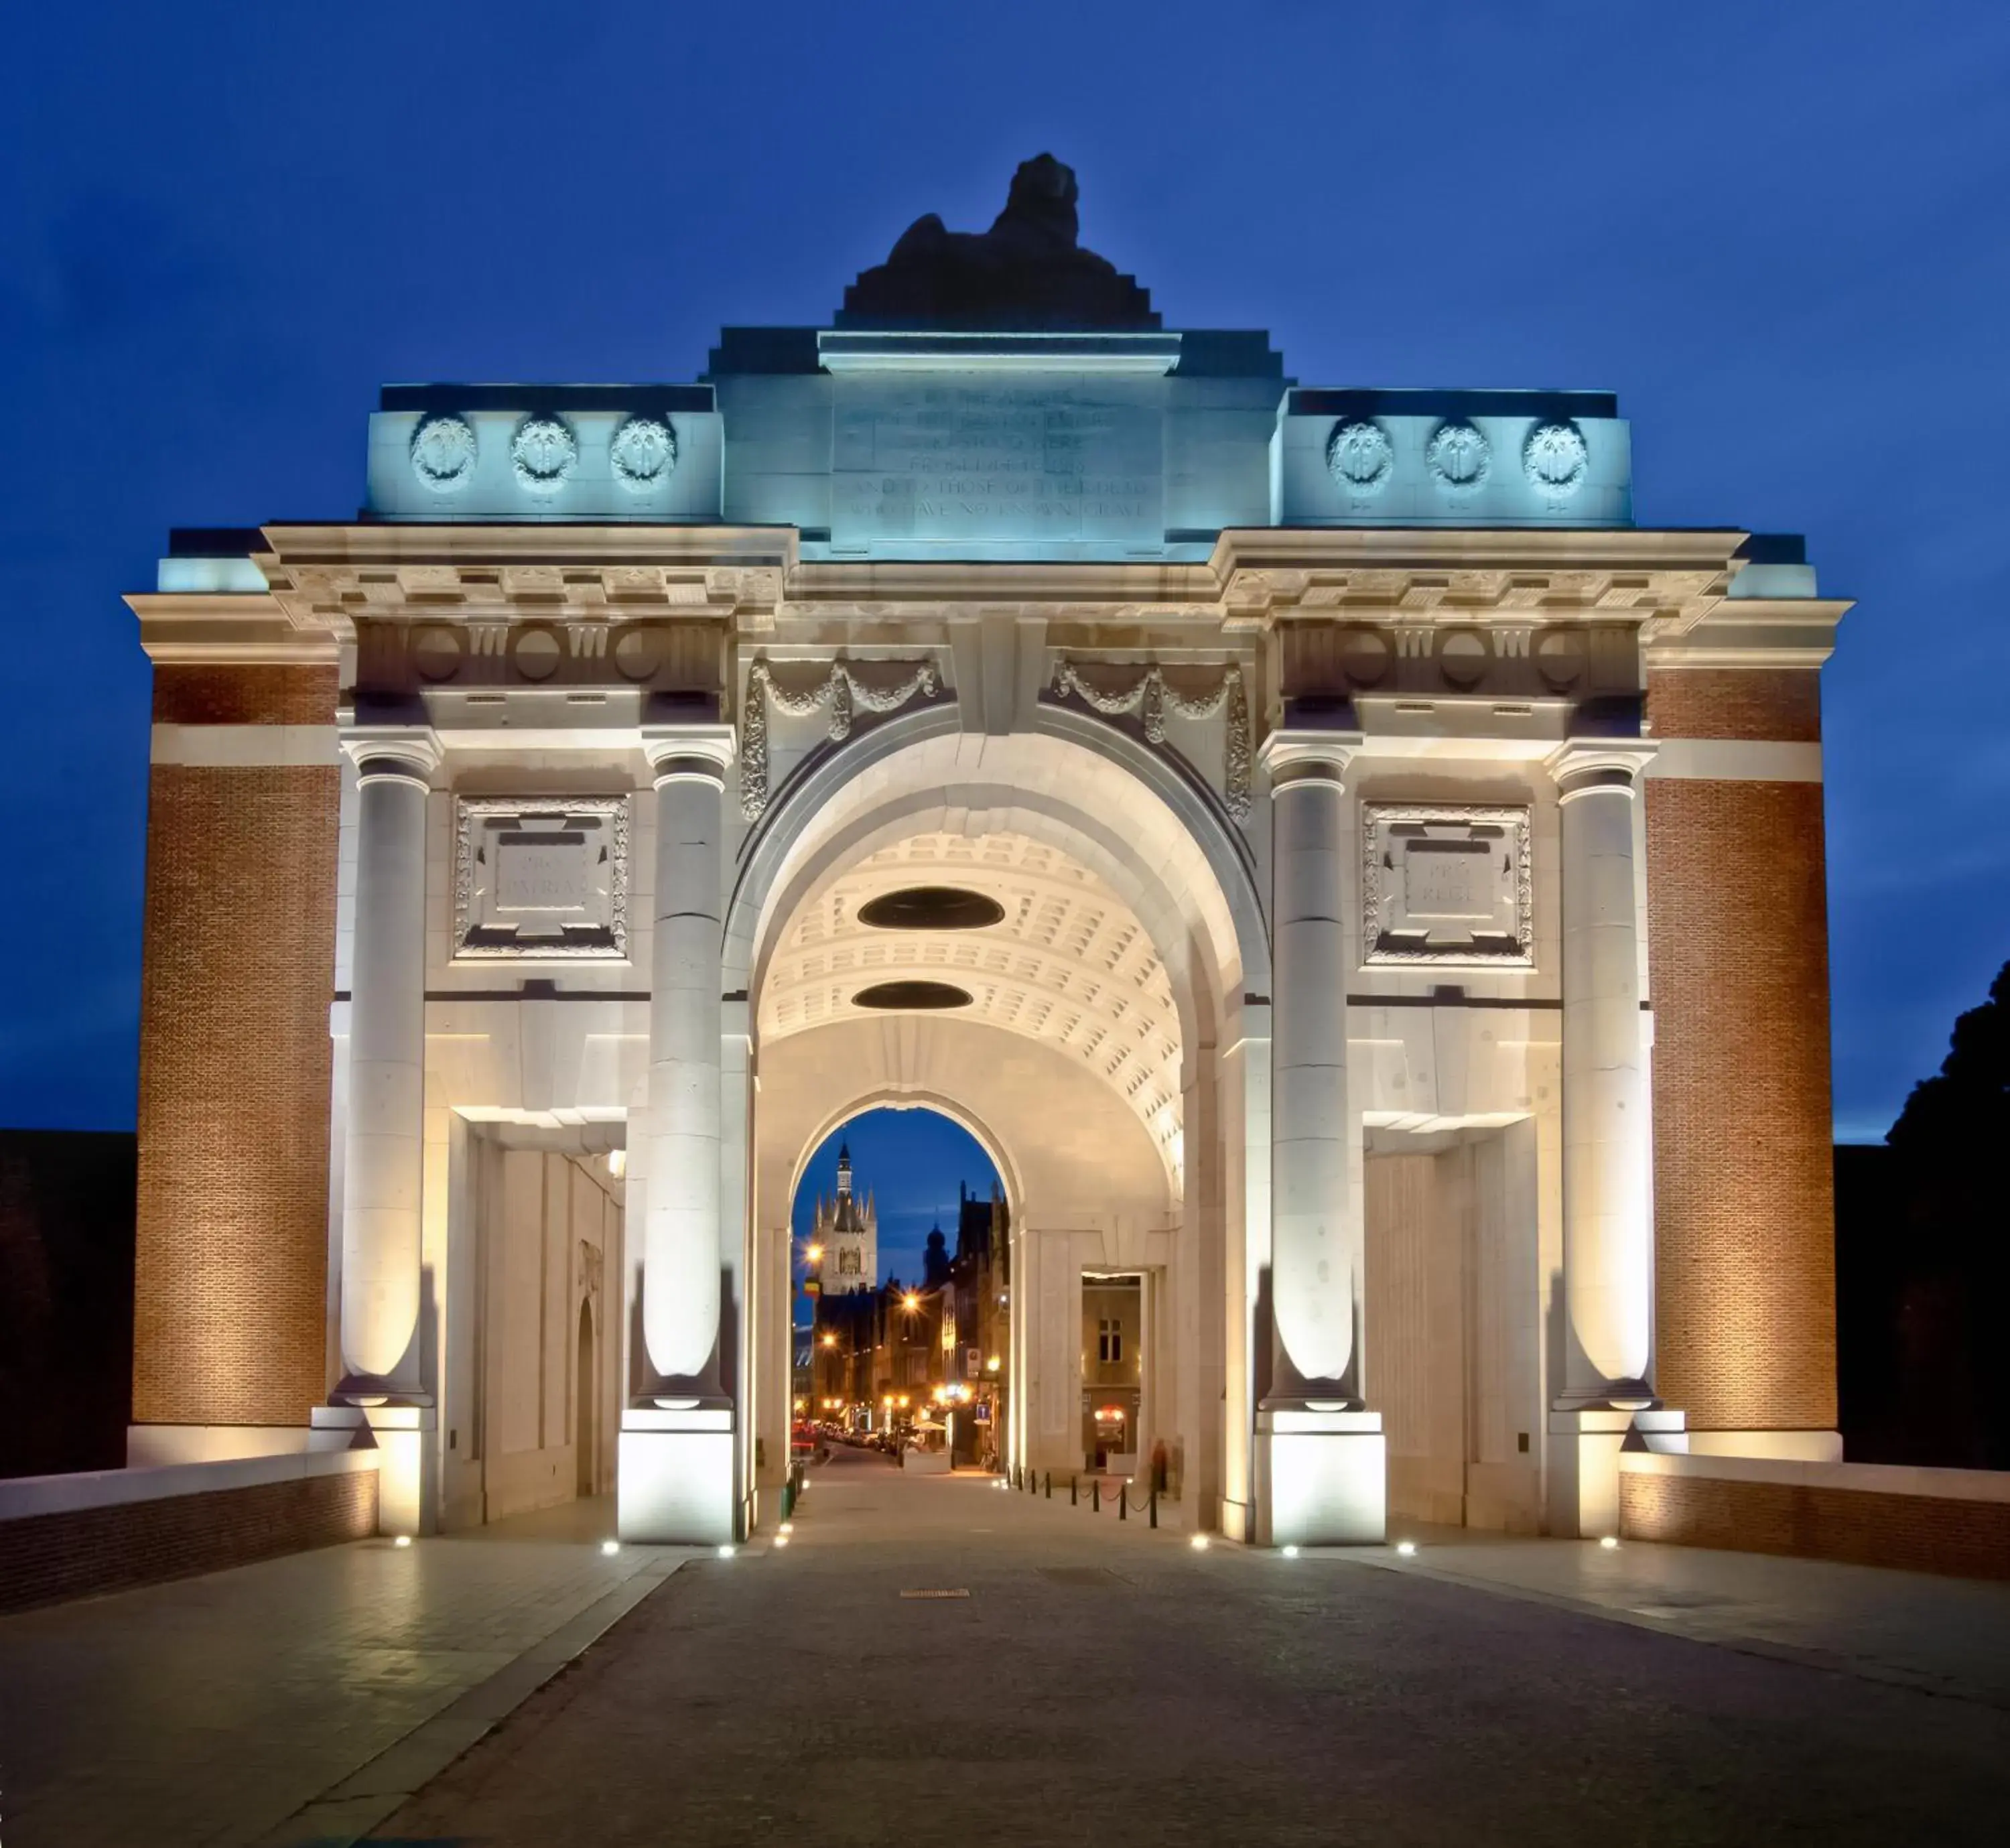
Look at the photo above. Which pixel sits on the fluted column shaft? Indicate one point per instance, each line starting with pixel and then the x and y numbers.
pixel 1314 1238
pixel 1608 1229
pixel 383 1157
pixel 680 1242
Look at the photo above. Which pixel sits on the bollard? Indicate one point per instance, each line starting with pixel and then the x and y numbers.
pixel 1050 1485
pixel 1123 1503
pixel 1096 1494
pixel 788 1498
pixel 1153 1505
pixel 1074 1491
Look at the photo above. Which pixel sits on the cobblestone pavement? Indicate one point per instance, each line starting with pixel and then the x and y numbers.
pixel 295 1699
pixel 1104 1685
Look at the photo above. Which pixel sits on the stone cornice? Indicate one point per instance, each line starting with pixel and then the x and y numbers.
pixel 227 630
pixel 1754 632
pixel 752 581
pixel 1663 579
pixel 327 577
pixel 333 576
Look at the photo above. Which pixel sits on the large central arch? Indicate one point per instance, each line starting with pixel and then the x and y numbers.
pixel 1095 1177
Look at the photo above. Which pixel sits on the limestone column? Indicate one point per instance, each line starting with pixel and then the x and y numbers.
pixel 678 1483
pixel 1608 1231
pixel 680 1239
pixel 1321 1459
pixel 1313 1242
pixel 383 1154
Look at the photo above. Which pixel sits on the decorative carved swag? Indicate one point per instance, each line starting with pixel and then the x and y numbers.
pixel 845 694
pixel 1153 696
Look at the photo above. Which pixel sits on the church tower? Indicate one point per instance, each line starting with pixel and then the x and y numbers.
pixel 849 1234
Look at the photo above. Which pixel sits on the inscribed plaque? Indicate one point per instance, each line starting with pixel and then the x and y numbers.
pixel 963 458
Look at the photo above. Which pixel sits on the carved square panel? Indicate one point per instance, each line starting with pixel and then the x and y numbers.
pixel 541 876
pixel 1444 884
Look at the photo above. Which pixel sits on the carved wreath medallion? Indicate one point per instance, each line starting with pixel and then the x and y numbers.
pixel 1554 458
pixel 1360 455
pixel 544 453
pixel 1459 454
pixel 443 453
pixel 643 453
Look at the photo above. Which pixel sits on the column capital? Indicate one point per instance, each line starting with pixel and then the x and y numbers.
pixel 1308 756
pixel 411 753
pixel 680 753
pixel 1579 766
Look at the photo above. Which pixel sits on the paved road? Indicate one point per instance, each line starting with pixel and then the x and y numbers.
pixel 1103 1685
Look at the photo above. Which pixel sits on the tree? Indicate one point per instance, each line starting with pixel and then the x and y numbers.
pixel 1950 1142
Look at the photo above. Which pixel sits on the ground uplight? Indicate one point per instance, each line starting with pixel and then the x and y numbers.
pixel 403 1540
pixel 725 1552
pixel 1290 1552
pixel 1610 1542
pixel 610 1548
pixel 1198 1543
pixel 1407 1548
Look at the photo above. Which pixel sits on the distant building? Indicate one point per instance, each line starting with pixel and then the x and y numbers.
pixel 900 1356
pixel 847 1235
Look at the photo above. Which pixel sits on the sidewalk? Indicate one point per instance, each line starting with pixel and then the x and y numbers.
pixel 1944 1636
pixel 216 1710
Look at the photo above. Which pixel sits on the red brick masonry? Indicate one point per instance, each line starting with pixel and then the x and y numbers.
pixel 81 1552
pixel 1820 1512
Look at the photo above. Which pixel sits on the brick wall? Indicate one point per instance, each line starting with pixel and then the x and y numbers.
pixel 244 695
pixel 1917 1533
pixel 1709 702
pixel 1738 944
pixel 83 1552
pixel 231 1250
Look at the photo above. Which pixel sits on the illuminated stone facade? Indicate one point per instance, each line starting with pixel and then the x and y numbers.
pixel 1407 957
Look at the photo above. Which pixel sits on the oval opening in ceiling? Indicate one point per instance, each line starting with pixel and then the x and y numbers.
pixel 911 995
pixel 931 907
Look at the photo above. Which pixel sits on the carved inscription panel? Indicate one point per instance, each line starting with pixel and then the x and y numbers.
pixel 542 877
pixel 1442 884
pixel 1067 460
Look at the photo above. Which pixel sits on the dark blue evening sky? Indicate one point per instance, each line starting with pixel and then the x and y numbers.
pixel 910 1161
pixel 1777 231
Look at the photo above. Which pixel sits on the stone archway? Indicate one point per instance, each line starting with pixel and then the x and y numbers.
pixel 1116 1024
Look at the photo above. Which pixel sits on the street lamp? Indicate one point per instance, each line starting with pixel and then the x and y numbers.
pixel 830 1341
pixel 814 1254
pixel 910 1302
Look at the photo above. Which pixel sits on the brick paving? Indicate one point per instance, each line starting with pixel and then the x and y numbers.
pixel 1104 1685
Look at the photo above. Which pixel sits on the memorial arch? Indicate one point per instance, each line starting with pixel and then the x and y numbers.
pixel 1373 843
